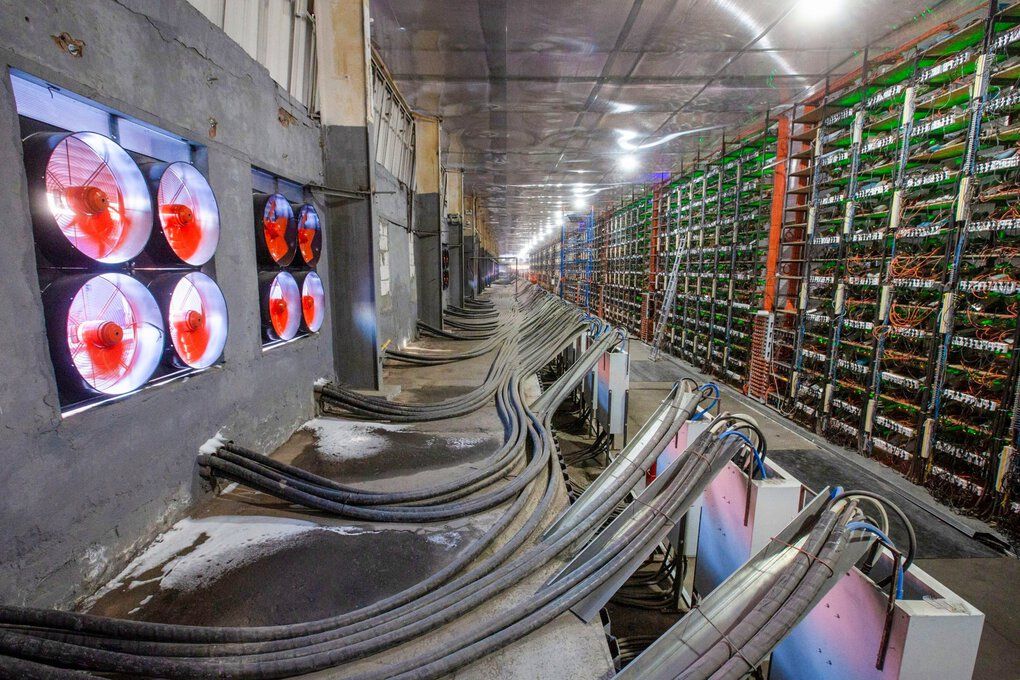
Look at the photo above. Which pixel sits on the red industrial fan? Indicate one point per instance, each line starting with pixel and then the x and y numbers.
pixel 195 314
pixel 281 305
pixel 309 234
pixel 313 301
pixel 188 217
pixel 105 332
pixel 276 238
pixel 88 198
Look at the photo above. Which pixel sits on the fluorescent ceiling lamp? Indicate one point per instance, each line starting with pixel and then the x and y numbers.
pixel 580 203
pixel 818 10
pixel 621 107
pixel 625 138
pixel 629 163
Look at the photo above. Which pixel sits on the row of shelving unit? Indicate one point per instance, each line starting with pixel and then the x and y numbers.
pixel 896 334
pixel 854 263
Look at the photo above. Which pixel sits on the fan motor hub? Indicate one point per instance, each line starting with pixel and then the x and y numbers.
pixel 181 214
pixel 104 334
pixel 194 319
pixel 87 199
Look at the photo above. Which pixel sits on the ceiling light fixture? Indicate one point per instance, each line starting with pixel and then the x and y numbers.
pixel 629 163
pixel 625 138
pixel 811 10
pixel 621 107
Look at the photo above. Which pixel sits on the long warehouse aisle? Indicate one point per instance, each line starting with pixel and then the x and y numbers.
pixel 510 339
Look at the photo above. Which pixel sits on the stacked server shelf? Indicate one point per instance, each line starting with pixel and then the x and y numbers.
pixel 623 261
pixel 544 267
pixel 889 282
pixel 715 218
pixel 751 166
pixel 897 308
pixel 578 242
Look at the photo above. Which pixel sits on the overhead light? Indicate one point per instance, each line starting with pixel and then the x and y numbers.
pixel 629 163
pixel 625 138
pixel 580 203
pixel 813 10
pixel 621 107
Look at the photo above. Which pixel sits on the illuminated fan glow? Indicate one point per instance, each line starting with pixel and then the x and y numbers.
pixel 114 333
pixel 187 213
pixel 313 302
pixel 98 197
pixel 275 220
pixel 308 229
pixel 284 303
pixel 198 320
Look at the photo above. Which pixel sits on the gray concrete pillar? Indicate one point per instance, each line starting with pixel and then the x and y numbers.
pixel 428 207
pixel 344 84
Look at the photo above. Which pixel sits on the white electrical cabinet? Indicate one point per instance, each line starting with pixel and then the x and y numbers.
pixel 613 382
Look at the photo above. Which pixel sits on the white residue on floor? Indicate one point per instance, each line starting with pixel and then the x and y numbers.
pixel 445 539
pixel 346 440
pixel 464 442
pixel 195 552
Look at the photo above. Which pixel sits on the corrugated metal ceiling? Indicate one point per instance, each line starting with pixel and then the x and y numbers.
pixel 535 94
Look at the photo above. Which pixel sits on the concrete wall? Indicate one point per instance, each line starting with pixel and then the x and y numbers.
pixel 79 493
pixel 398 289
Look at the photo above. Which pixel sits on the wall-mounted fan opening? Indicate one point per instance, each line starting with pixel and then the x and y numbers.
pixel 188 217
pixel 106 333
pixel 313 302
pixel 89 198
pixel 276 229
pixel 309 235
pixel 281 306
pixel 195 314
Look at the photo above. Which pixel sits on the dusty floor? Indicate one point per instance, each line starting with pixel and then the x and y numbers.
pixel 241 558
pixel 972 569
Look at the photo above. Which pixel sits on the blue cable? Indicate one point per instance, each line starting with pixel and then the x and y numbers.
pixel 872 529
pixel 754 451
pixel 715 400
pixel 837 490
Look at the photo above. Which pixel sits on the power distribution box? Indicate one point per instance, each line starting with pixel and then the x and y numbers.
pixel 613 380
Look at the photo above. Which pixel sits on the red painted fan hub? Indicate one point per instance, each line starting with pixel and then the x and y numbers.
pixel 103 334
pixel 177 215
pixel 89 200
pixel 194 320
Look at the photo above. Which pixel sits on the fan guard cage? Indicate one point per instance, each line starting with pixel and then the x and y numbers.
pixel 97 197
pixel 283 302
pixel 114 333
pixel 313 302
pixel 189 218
pixel 309 234
pixel 196 316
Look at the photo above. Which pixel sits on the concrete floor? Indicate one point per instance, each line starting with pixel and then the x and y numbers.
pixel 972 569
pixel 241 558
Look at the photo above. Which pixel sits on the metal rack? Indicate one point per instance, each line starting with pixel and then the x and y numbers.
pixel 890 314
